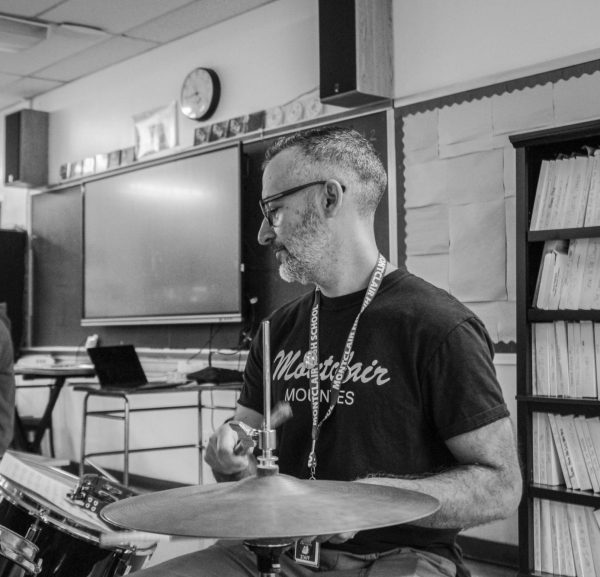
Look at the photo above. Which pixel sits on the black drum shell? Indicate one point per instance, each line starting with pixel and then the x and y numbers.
pixel 67 547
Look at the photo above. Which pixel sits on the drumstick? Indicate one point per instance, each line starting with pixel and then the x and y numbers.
pixel 138 539
pixel 281 413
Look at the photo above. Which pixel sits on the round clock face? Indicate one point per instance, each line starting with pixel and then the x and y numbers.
pixel 200 93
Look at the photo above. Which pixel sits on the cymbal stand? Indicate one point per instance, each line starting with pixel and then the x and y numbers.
pixel 267 551
pixel 266 436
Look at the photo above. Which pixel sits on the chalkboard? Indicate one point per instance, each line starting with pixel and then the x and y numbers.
pixel 57 287
pixel 56 218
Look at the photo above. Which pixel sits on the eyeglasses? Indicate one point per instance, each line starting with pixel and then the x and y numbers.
pixel 264 202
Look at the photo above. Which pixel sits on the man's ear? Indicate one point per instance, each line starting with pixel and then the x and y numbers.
pixel 333 197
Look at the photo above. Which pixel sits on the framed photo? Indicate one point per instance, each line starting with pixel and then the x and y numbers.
pixel 238 126
pixel 77 169
pixel 65 171
pixel 128 155
pixel 89 165
pixel 114 159
pixel 155 130
pixel 218 131
pixel 101 162
pixel 201 135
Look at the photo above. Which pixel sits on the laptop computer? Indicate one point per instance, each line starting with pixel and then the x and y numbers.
pixel 119 367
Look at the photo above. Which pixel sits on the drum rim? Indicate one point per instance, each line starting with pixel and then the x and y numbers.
pixel 48 513
pixel 19 554
pixel 20 496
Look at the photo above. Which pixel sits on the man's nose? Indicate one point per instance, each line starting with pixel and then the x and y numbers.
pixel 265 232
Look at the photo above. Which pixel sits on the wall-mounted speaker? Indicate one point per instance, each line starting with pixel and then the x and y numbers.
pixel 26 148
pixel 355 51
pixel 13 246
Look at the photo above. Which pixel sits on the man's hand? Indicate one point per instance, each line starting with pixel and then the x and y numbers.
pixel 221 455
pixel 227 462
pixel 231 460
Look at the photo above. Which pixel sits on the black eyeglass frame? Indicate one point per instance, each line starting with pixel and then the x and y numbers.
pixel 263 202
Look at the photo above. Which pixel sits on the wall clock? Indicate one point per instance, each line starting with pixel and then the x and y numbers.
pixel 200 93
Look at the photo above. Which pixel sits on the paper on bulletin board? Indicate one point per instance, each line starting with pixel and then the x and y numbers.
pixel 425 184
pixel 499 318
pixel 476 177
pixel 466 122
pixel 478 251
pixel 427 230
pixel 431 267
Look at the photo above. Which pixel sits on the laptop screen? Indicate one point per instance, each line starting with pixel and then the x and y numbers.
pixel 117 366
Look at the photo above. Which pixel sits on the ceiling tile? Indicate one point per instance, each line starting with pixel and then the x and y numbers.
pixel 7 100
pixel 7 79
pixel 130 28
pixel 193 17
pixel 27 9
pixel 114 16
pixel 95 58
pixel 28 87
pixel 59 45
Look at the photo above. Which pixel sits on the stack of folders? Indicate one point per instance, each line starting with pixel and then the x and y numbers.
pixel 566 359
pixel 569 275
pixel 566 451
pixel 566 539
pixel 567 193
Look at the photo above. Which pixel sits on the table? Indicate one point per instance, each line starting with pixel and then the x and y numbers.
pixel 123 414
pixel 60 375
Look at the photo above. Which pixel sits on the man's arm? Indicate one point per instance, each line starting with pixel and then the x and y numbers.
pixel 485 486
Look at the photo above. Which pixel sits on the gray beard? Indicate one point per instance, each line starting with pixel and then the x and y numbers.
pixel 310 242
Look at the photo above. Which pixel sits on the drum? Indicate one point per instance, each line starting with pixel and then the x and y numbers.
pixel 52 543
pixel 17 555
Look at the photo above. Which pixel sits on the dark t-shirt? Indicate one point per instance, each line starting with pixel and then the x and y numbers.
pixel 420 373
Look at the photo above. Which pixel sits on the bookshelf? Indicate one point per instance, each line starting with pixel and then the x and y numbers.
pixel 534 151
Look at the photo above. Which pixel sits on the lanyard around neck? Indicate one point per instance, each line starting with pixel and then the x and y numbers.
pixel 311 358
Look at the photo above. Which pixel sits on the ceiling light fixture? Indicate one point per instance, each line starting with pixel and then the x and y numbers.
pixel 17 35
pixel 80 30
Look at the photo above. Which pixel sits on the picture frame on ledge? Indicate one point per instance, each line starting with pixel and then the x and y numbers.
pixel 155 130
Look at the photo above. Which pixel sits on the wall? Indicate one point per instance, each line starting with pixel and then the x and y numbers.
pixel 265 58
pixel 442 47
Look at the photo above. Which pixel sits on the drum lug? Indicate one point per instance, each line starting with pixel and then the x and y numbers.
pixel 34 530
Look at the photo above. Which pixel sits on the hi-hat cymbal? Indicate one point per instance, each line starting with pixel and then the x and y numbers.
pixel 266 507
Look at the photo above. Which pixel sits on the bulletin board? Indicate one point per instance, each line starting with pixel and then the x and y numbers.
pixel 456 173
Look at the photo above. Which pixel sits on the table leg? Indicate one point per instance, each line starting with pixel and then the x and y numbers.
pixel 46 420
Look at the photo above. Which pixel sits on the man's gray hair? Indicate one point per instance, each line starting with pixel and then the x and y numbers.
pixel 342 148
